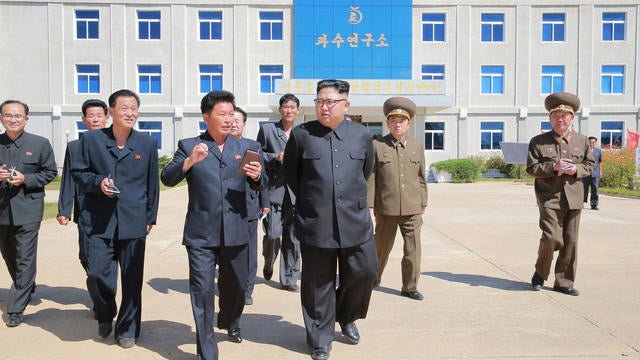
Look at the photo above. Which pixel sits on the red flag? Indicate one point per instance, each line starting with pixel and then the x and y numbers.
pixel 632 139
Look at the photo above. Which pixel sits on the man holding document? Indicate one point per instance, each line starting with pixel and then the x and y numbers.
pixel 558 160
pixel 215 229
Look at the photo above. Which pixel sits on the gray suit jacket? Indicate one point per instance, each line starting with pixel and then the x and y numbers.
pixel 32 155
pixel 273 140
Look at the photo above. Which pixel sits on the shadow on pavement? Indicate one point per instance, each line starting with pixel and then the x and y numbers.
pixel 481 280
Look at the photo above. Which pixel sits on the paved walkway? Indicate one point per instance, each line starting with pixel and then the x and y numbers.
pixel 479 246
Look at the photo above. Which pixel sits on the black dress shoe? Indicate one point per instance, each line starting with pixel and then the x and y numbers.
pixel 248 300
pixel 378 282
pixel 536 282
pixel 235 335
pixel 567 290
pixel 415 295
pixel 292 288
pixel 126 343
pixel 594 208
pixel 267 272
pixel 14 319
pixel 320 353
pixel 350 332
pixel 104 329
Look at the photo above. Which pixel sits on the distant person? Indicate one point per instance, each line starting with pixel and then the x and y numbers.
pixel 95 115
pixel 558 160
pixel 593 181
pixel 278 232
pixel 327 163
pixel 257 204
pixel 215 230
pixel 397 191
pixel 118 173
pixel 26 166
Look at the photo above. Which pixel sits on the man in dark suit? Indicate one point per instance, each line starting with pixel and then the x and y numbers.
pixel 593 181
pixel 279 221
pixel 118 173
pixel 558 160
pixel 215 228
pixel 94 115
pixel 327 163
pixel 257 203
pixel 27 166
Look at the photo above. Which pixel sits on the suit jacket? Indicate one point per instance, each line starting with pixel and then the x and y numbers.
pixel 544 152
pixel 597 157
pixel 328 170
pixel 134 170
pixel 273 140
pixel 32 155
pixel 70 197
pixel 217 212
pixel 255 199
pixel 397 185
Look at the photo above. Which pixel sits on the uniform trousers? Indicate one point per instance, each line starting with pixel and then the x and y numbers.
pixel 322 303
pixel 592 182
pixel 103 257
pixel 232 283
pixel 386 228
pixel 19 246
pixel 560 229
pixel 253 256
pixel 279 225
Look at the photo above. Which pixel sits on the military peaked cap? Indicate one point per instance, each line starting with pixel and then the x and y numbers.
pixel 399 106
pixel 562 101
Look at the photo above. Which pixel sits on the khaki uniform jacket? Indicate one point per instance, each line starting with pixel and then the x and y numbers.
pixel 544 152
pixel 398 185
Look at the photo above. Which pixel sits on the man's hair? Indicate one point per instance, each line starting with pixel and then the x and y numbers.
pixel 244 113
pixel 7 102
pixel 593 138
pixel 122 93
pixel 340 85
pixel 94 103
pixel 217 96
pixel 289 97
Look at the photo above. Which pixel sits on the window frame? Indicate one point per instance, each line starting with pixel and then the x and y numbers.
pixel 91 75
pixel 149 21
pixel 153 132
pixel 492 26
pixel 493 78
pixel 612 76
pixel 606 144
pixel 211 22
pixel 437 26
pixel 273 76
pixel 432 133
pixel 491 132
pixel 88 21
pixel 150 77
pixel 612 23
pixel 554 24
pixel 547 71
pixel 271 24
pixel 211 76
pixel 431 71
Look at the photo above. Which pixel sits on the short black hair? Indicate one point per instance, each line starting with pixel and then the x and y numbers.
pixel 289 97
pixel 340 85
pixel 244 113
pixel 122 93
pixel 94 103
pixel 7 102
pixel 593 138
pixel 217 96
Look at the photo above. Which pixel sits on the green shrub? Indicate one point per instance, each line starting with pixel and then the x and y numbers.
pixel 461 170
pixel 163 161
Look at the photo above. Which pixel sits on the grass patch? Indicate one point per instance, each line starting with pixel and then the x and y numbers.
pixel 620 192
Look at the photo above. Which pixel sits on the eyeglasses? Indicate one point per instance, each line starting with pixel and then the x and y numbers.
pixel 329 102
pixel 13 116
pixel 399 120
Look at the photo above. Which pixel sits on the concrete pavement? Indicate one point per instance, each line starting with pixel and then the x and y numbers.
pixel 479 245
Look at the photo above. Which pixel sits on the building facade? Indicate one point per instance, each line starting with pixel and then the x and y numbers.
pixel 479 71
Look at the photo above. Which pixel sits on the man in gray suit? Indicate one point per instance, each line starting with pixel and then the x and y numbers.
pixel 215 229
pixel 279 221
pixel 27 165
pixel 593 181
pixel 327 163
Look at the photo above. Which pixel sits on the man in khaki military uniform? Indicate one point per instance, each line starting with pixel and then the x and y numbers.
pixel 397 191
pixel 558 160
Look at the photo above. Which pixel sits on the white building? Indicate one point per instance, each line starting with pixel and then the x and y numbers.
pixel 488 65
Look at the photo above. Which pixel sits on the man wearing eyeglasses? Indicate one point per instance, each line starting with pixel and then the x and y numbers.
pixel 397 191
pixel 27 165
pixel 327 163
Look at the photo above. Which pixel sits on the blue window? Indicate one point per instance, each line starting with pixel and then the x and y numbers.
pixel 434 136
pixel 613 26
pixel 492 26
pixel 432 72
pixel 552 79
pixel 153 128
pixel 545 126
pixel 148 25
pixel 492 79
pixel 611 134
pixel 375 128
pixel 268 76
pixel 150 79
pixel 210 25
pixel 612 79
pixel 433 27
pixel 553 27
pixel 80 128
pixel 87 22
pixel 491 134
pixel 88 79
pixel 270 25
pixel 202 126
pixel 210 78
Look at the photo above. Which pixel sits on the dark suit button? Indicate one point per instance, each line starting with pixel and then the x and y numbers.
pixel 338 182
